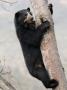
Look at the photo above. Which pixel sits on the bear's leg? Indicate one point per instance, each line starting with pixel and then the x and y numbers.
pixel 38 70
pixel 42 74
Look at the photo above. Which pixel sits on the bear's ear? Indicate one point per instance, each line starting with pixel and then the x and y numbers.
pixel 17 14
pixel 28 9
pixel 50 5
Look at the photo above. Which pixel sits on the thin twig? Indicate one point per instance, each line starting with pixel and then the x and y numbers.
pixel 8 2
pixel 7 83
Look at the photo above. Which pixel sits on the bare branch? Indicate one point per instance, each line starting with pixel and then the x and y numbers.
pixel 11 87
pixel 8 2
pixel 3 67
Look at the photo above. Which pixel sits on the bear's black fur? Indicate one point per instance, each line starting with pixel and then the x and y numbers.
pixel 30 39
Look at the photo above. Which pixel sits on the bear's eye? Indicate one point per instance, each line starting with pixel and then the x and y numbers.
pixel 30 13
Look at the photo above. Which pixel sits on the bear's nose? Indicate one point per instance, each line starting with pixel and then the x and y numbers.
pixel 17 14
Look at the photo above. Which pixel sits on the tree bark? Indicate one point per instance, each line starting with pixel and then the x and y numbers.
pixel 49 47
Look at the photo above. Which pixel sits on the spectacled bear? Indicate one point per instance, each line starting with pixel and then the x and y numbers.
pixel 30 38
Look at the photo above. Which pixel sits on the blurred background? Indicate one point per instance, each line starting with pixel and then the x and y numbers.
pixel 12 65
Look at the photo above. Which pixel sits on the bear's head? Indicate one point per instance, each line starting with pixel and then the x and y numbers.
pixel 23 16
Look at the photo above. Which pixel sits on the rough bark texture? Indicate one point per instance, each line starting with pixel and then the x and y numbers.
pixel 49 47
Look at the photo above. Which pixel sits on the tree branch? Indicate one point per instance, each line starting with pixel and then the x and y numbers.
pixel 8 2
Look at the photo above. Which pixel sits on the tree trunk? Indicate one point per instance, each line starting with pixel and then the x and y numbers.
pixel 49 47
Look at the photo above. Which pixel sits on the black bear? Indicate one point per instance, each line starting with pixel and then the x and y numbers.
pixel 30 38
